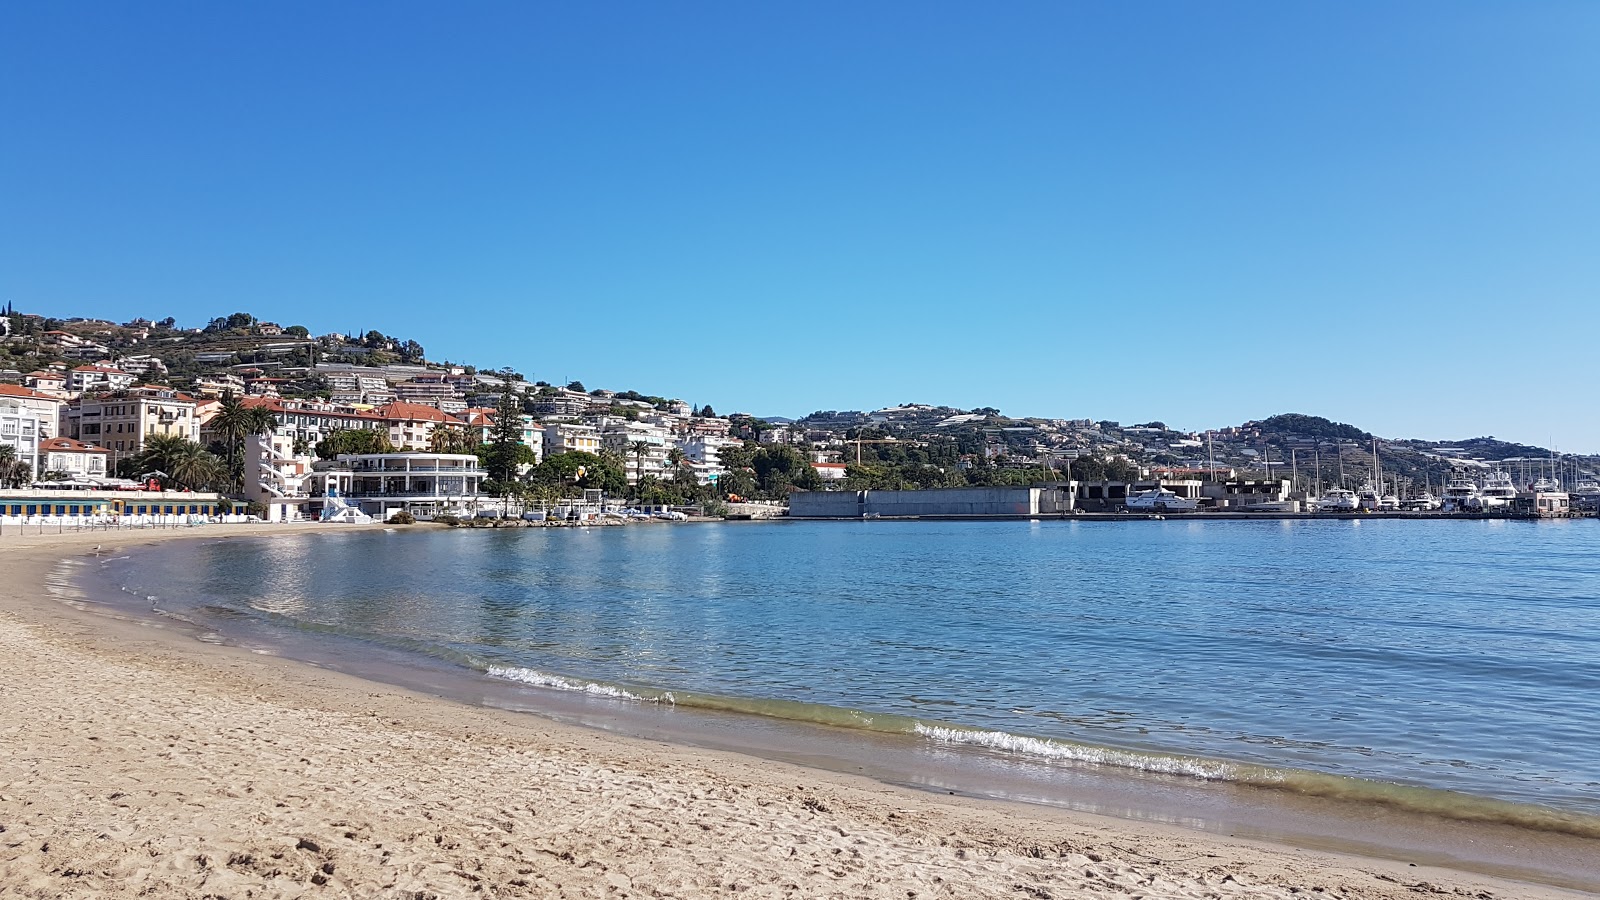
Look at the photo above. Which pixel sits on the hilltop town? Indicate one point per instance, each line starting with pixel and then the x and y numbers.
pixel 276 420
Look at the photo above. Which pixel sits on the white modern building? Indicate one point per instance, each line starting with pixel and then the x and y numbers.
pixel 27 419
pixel 99 378
pixel 382 484
pixel 642 448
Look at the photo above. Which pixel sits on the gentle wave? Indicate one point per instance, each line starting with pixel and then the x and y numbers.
pixel 1343 788
pixel 558 683
pixel 1063 751
pixel 1409 798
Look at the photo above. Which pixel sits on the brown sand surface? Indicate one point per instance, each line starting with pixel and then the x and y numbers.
pixel 136 762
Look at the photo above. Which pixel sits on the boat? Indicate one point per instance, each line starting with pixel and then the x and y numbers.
pixel 1367 496
pixel 1424 502
pixel 1338 500
pixel 1586 494
pixel 1497 490
pixel 1160 500
pixel 1459 493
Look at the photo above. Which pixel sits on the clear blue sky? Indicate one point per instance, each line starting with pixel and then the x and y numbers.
pixel 1385 213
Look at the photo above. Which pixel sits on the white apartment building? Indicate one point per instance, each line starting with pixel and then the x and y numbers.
pixel 27 419
pixel 98 378
pixel 47 381
pixel 217 384
pixel 120 422
pixel 566 437
pixel 384 483
pixel 356 384
pixel 432 389
pixel 704 455
pixel 142 365
pixel 642 448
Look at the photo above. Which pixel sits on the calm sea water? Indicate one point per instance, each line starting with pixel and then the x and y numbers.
pixel 1414 656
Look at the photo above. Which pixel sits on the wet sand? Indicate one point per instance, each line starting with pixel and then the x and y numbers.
pixel 140 762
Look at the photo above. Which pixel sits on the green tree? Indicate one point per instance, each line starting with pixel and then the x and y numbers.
pixel 14 472
pixel 640 449
pixel 504 454
pixel 182 462
pixel 341 441
pixel 234 422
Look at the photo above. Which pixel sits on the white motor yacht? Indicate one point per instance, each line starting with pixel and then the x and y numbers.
pixel 1367 496
pixel 1460 493
pixel 1160 500
pixel 1424 502
pixel 1497 490
pixel 1338 500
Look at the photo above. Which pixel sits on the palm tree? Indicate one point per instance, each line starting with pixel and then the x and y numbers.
pixel 183 462
pixel 13 472
pixel 676 457
pixel 235 422
pixel 639 448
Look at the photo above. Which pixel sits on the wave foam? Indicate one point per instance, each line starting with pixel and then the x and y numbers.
pixel 559 683
pixel 1189 766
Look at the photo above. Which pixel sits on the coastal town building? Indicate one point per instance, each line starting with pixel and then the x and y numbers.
pixel 86 379
pixel 641 447
pixel 432 389
pixel 566 437
pixel 74 459
pixel 27 419
pixel 411 425
pixel 44 380
pixel 121 421
pixel 382 484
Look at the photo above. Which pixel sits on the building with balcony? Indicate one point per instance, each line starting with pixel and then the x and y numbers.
pixel 432 389
pixel 120 422
pixel 642 448
pixel 98 378
pixel 74 458
pixel 567 437
pixel 381 484
pixel 411 425
pixel 27 419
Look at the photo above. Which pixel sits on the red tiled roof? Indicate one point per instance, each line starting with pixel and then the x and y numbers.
pixel 99 369
pixel 17 390
pixel 400 411
pixel 71 446
pixel 277 405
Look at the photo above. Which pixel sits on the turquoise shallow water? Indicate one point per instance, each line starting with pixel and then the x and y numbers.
pixel 1460 656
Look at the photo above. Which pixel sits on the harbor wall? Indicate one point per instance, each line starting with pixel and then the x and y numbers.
pixel 976 501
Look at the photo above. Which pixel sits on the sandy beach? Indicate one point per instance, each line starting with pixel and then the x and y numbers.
pixel 140 762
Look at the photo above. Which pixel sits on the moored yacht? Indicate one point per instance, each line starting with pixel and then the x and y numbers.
pixel 1424 502
pixel 1338 500
pixel 1367 496
pixel 1460 493
pixel 1497 490
pixel 1160 500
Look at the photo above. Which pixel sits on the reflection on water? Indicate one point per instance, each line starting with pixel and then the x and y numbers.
pixel 1459 655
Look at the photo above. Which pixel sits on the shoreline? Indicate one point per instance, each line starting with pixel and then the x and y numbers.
pixel 98 704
